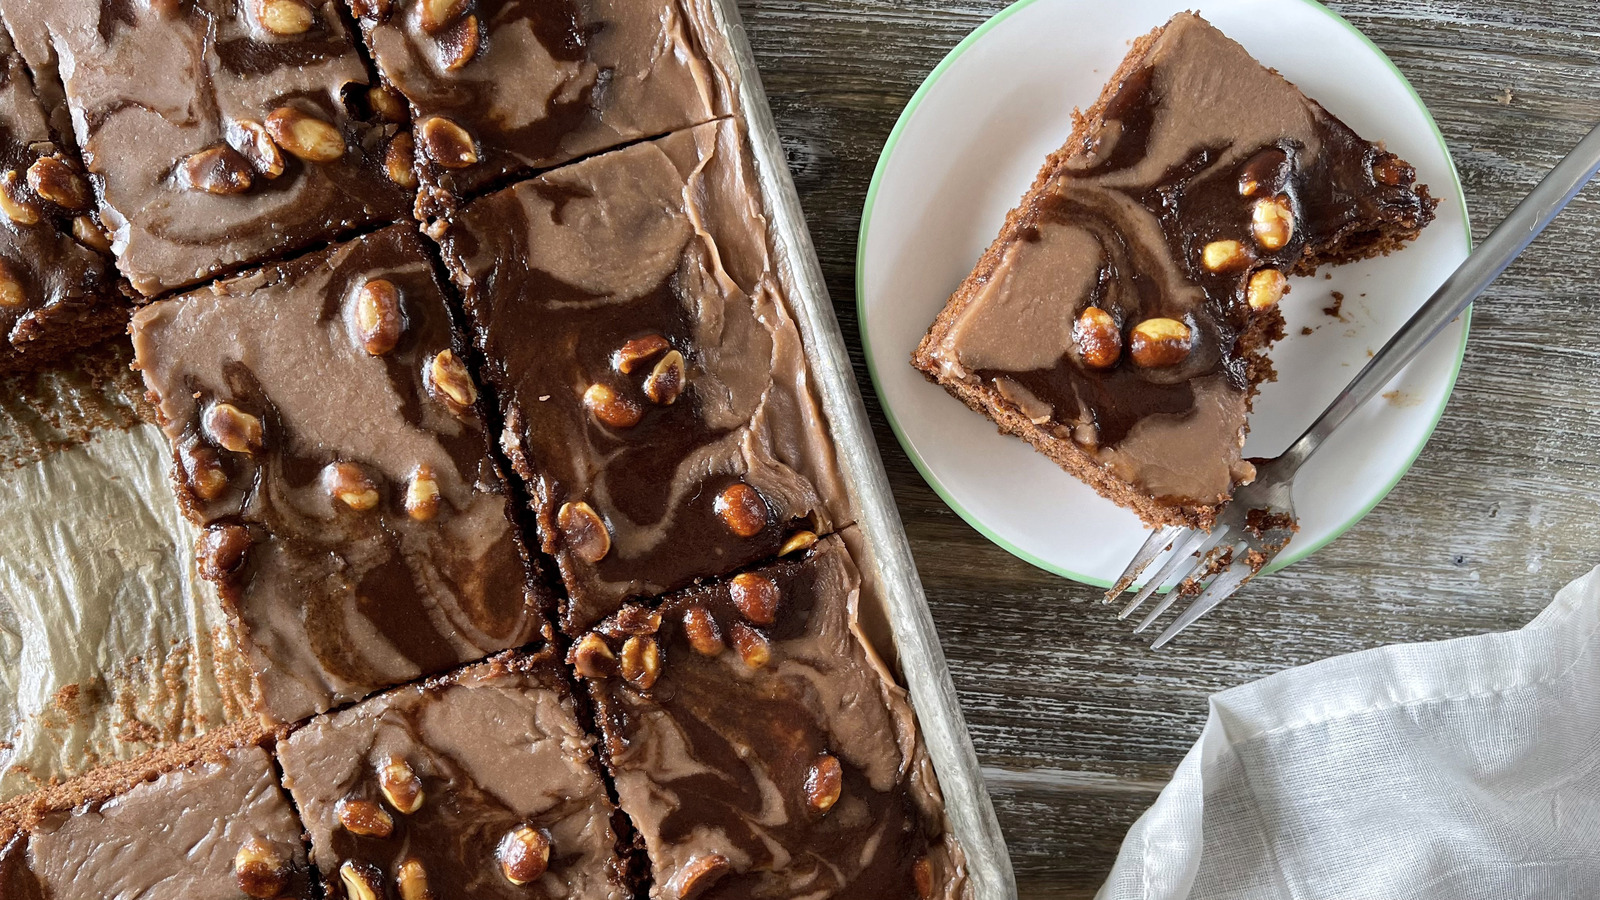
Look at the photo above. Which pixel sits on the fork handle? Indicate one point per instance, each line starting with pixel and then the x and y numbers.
pixel 1475 274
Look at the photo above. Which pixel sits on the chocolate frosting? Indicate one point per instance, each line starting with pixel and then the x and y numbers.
pixel 143 86
pixel 664 238
pixel 495 747
pixel 65 287
pixel 174 838
pixel 713 758
pixel 333 602
pixel 17 881
pixel 550 80
pixel 1122 224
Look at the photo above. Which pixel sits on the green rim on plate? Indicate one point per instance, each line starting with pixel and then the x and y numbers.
pixel 1294 554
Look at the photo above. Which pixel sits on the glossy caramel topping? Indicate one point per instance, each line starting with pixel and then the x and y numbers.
pixel 353 518
pixel 455 767
pixel 178 109
pixel 770 756
pixel 646 272
pixel 533 83
pixel 1119 315
pixel 179 837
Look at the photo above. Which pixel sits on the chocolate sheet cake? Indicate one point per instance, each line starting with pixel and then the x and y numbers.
pixel 618 322
pixel 653 386
pixel 1120 321
pixel 329 442
pixel 56 294
pixel 218 133
pixel 759 745
pixel 501 87
pixel 482 784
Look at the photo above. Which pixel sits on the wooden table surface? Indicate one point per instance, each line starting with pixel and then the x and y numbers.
pixel 1077 722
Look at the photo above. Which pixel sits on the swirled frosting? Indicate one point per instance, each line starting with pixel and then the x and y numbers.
pixel 1171 168
pixel 64 297
pixel 535 83
pixel 493 747
pixel 332 602
pixel 714 757
pixel 664 239
pixel 144 86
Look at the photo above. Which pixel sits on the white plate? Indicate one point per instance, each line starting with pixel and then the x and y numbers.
pixel 966 148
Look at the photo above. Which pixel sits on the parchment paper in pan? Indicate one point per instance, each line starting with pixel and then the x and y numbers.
pixel 110 643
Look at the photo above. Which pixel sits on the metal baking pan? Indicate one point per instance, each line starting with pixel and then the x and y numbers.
pixel 182 641
pixel 889 573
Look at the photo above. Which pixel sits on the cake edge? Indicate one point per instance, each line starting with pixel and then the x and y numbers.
pixel 104 782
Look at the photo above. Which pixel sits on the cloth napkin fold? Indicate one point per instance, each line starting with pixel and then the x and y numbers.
pixel 1466 769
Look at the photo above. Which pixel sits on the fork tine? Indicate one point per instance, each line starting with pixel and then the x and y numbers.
pixel 1207 554
pixel 1181 552
pixel 1221 588
pixel 1159 540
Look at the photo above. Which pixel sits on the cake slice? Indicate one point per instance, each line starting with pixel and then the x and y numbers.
pixel 480 784
pixel 329 444
pixel 200 821
pixel 760 746
pixel 1120 321
pixel 655 392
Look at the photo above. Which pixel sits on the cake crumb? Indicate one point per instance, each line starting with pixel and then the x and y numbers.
pixel 1307 330
pixel 66 698
pixel 1336 309
pixel 1505 97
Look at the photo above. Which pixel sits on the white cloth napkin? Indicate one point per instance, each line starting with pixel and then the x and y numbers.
pixel 1460 770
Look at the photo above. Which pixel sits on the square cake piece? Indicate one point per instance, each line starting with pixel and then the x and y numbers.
pixel 216 828
pixel 56 295
pixel 1120 321
pixel 217 131
pixel 329 443
pixel 500 87
pixel 653 385
pixel 481 784
pixel 761 747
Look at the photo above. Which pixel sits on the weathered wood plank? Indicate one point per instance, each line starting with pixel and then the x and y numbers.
pixel 1079 720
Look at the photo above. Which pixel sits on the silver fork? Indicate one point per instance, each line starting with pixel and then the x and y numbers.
pixel 1259 521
